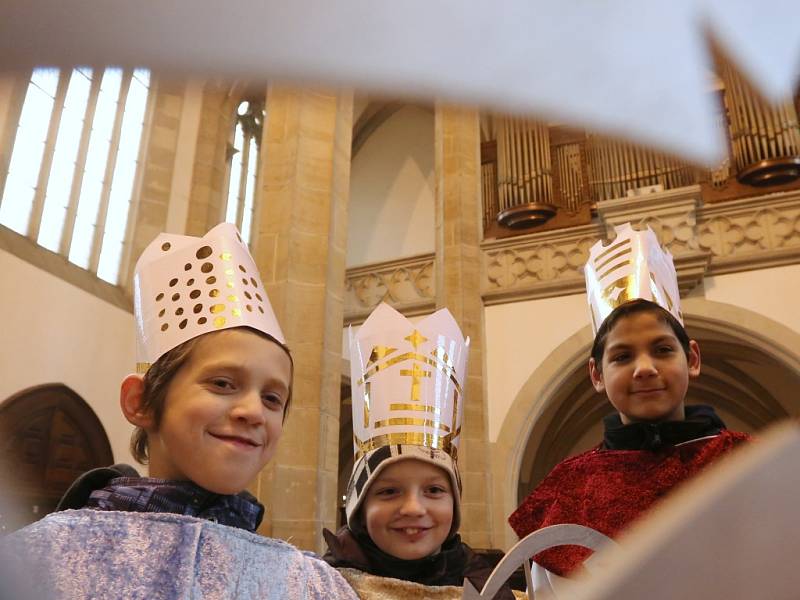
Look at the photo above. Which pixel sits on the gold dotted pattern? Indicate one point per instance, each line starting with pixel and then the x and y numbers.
pixel 195 291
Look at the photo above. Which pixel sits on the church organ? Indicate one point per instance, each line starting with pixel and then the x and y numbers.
pixel 540 176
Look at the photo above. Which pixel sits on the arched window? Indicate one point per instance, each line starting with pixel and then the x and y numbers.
pixel 72 171
pixel 243 156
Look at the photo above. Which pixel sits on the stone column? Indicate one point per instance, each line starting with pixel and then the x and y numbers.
pixel 458 288
pixel 158 171
pixel 300 249
pixel 217 117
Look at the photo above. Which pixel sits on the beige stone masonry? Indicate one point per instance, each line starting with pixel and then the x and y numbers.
pixel 161 147
pixel 458 288
pixel 217 117
pixel 406 284
pixel 299 246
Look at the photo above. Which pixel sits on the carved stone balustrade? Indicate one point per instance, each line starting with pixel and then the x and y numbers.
pixel 740 235
pixel 753 233
pixel 407 284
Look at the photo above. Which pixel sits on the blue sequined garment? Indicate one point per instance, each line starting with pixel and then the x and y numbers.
pixel 94 554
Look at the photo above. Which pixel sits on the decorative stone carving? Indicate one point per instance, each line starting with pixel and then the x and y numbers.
pixel 407 284
pixel 672 215
pixel 537 265
pixel 759 232
pixel 752 233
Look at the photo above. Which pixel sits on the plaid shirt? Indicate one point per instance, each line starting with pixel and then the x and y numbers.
pixel 147 494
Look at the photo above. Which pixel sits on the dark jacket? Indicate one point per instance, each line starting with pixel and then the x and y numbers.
pixel 456 561
pixel 119 488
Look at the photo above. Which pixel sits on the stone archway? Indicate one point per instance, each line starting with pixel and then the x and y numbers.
pixel 49 436
pixel 751 369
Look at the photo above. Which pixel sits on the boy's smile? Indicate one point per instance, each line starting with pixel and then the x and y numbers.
pixel 223 413
pixel 645 371
pixel 409 509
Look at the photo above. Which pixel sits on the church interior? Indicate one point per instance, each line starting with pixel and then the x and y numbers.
pixel 348 199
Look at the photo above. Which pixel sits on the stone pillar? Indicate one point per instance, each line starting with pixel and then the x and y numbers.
pixel 217 117
pixel 158 170
pixel 300 247
pixel 458 288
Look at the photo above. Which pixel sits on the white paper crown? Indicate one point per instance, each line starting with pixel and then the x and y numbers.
pixel 186 286
pixel 407 381
pixel 633 266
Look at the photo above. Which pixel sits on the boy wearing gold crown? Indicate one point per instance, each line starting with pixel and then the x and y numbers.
pixel 214 384
pixel 403 499
pixel 642 359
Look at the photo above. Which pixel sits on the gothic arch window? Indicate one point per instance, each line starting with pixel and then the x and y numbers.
pixel 48 437
pixel 243 165
pixel 70 181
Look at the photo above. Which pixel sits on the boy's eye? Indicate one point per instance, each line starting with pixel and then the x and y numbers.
pixel 387 491
pixel 272 400
pixel 222 383
pixel 621 357
pixel 437 490
pixel 664 349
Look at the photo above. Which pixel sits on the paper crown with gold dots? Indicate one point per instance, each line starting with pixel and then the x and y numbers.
pixel 632 266
pixel 407 381
pixel 186 286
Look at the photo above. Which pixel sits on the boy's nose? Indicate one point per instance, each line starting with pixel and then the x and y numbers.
pixel 412 505
pixel 249 408
pixel 644 366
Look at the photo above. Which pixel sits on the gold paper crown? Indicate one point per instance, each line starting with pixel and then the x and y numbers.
pixel 186 286
pixel 633 266
pixel 407 381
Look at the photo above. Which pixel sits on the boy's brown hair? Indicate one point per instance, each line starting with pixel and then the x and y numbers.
pixel 631 308
pixel 156 385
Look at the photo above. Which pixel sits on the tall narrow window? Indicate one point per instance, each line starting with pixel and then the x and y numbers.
pixel 244 164
pixel 72 170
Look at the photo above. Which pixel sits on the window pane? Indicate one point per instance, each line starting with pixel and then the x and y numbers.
pixel 235 176
pixel 122 183
pixel 247 213
pixel 63 168
pixel 26 155
pixel 96 159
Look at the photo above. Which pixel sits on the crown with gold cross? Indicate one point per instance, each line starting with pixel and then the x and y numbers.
pixel 407 381
pixel 186 286
pixel 632 266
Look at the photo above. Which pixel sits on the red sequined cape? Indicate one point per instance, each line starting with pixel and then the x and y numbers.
pixel 608 489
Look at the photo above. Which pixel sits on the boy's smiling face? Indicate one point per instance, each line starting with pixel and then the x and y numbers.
pixel 645 371
pixel 408 509
pixel 223 413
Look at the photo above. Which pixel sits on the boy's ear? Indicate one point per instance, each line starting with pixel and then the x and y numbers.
pixel 131 394
pixel 693 359
pixel 596 375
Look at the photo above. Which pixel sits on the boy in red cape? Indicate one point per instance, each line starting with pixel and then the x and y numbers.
pixel 642 359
